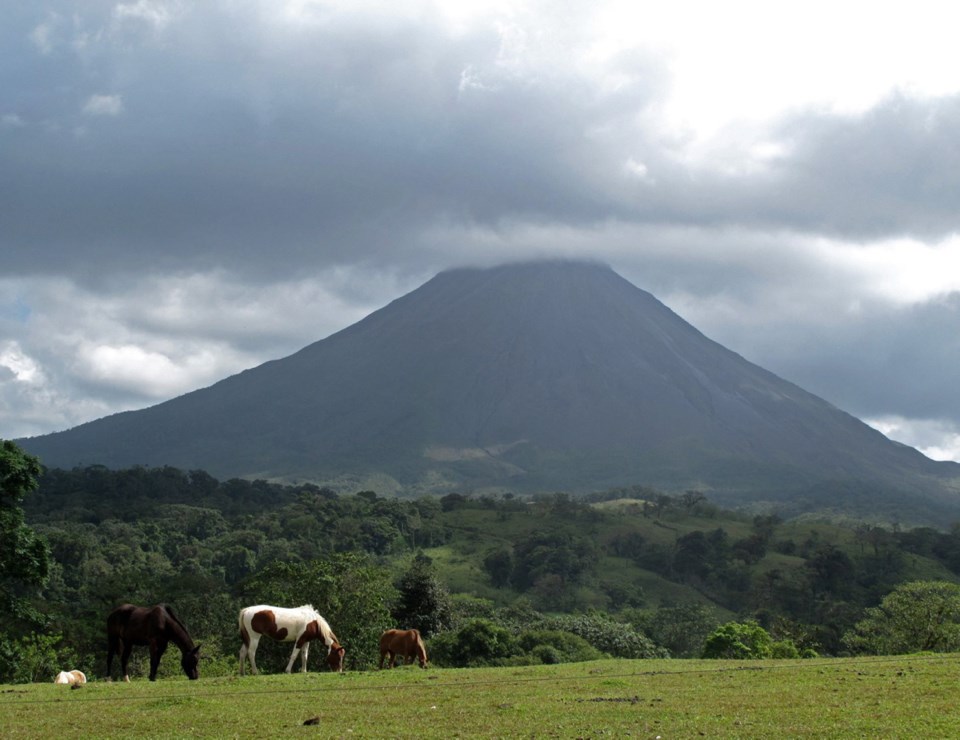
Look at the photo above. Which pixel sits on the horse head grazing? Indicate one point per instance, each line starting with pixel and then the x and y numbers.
pixel 421 652
pixel 335 657
pixel 190 662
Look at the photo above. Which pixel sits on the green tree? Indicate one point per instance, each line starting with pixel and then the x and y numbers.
pixel 499 566
pixel 24 556
pixel 917 616
pixel 423 602
pixel 682 628
pixel 740 641
pixel 560 553
pixel 831 572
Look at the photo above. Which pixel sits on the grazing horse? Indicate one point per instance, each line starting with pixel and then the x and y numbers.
pixel 154 626
pixel 405 643
pixel 299 626
pixel 71 678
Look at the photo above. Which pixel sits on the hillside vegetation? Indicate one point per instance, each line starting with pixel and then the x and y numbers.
pixel 650 574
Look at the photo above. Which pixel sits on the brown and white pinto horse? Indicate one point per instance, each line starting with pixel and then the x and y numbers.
pixel 405 643
pixel 154 626
pixel 299 626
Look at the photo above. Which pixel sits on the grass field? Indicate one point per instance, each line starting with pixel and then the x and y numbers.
pixel 910 696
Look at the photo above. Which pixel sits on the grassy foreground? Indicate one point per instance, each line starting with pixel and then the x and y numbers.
pixel 872 697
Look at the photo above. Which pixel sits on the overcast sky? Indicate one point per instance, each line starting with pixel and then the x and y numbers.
pixel 188 189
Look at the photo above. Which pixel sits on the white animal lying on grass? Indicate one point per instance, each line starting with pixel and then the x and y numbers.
pixel 71 678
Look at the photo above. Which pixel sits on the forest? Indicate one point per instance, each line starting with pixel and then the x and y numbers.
pixel 495 580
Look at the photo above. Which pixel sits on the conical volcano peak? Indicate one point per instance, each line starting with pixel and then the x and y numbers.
pixel 550 375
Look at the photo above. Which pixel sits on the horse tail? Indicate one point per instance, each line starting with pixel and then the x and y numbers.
pixel 244 635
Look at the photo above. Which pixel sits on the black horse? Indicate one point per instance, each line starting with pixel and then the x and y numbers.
pixel 155 626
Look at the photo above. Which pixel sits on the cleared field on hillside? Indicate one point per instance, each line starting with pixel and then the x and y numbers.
pixel 875 697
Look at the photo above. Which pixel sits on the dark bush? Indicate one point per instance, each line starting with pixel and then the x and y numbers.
pixel 558 646
pixel 479 642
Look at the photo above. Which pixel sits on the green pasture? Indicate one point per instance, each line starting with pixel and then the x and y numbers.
pixel 888 697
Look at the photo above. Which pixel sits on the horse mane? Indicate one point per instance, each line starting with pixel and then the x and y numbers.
pixel 311 611
pixel 179 633
pixel 325 630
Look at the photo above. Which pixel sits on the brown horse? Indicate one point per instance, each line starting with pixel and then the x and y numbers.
pixel 405 643
pixel 154 626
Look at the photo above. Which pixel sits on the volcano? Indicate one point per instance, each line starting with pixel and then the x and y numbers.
pixel 548 376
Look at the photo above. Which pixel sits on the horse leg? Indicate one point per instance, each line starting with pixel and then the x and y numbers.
pixel 113 647
pixel 393 659
pixel 304 651
pixel 125 660
pixel 243 657
pixel 252 653
pixel 293 657
pixel 157 648
pixel 383 654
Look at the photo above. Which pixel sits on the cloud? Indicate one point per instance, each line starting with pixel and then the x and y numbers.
pixel 17 365
pixel 103 105
pixel 156 13
pixel 75 354
pixel 362 156
pixel 133 369
pixel 42 35
pixel 938 439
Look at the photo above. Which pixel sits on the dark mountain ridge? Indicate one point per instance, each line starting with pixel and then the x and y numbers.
pixel 538 376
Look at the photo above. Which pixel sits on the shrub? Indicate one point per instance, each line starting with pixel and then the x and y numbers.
pixel 618 639
pixel 557 646
pixel 479 642
pixel 33 658
pixel 738 640
pixel 547 654
pixel 784 649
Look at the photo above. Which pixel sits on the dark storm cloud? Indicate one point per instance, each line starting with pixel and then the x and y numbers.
pixel 894 170
pixel 897 363
pixel 372 135
pixel 213 141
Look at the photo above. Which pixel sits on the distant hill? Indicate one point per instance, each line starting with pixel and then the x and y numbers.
pixel 538 376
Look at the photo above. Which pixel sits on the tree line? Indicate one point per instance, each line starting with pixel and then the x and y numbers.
pixel 539 579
